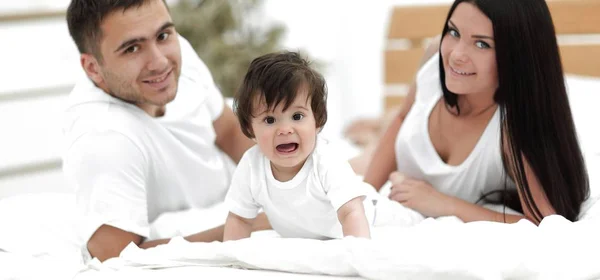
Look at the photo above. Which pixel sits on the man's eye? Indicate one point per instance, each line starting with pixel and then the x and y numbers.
pixel 298 116
pixel 269 120
pixel 132 49
pixel 163 36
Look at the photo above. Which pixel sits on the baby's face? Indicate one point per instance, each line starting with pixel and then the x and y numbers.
pixel 286 137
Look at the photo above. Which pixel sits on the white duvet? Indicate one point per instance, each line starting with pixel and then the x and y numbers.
pixel 443 248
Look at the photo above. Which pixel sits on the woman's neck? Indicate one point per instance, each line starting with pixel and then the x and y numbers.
pixel 472 106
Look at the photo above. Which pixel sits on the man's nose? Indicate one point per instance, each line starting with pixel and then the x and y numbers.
pixel 158 61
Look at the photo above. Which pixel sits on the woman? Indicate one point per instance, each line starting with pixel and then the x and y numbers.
pixel 488 114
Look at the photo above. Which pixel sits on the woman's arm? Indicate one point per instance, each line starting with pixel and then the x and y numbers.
pixel 537 192
pixel 383 160
pixel 469 212
pixel 535 188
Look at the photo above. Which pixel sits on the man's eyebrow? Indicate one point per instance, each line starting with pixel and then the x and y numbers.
pixel 165 26
pixel 473 36
pixel 142 39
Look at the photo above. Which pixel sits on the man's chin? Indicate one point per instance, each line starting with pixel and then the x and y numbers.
pixel 165 98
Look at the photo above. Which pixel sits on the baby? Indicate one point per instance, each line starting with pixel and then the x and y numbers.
pixel 303 188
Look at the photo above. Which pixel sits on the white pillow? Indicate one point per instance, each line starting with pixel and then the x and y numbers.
pixel 40 225
pixel 584 95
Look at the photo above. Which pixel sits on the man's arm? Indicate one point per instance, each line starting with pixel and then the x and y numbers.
pixel 230 138
pixel 108 241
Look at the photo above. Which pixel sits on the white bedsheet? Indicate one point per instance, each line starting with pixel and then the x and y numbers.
pixel 443 248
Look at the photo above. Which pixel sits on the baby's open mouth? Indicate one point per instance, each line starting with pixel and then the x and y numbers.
pixel 287 148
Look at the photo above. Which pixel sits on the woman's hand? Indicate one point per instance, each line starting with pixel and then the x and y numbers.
pixel 419 196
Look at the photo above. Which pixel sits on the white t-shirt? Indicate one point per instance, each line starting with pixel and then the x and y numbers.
pixel 416 157
pixel 127 167
pixel 303 207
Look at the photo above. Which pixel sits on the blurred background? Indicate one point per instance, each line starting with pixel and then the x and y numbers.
pixel 345 39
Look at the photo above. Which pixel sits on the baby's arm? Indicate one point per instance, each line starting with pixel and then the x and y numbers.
pixel 237 227
pixel 353 219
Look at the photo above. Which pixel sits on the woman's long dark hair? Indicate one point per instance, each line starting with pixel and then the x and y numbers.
pixel 535 114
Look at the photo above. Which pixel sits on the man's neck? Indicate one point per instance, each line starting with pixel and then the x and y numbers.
pixel 153 110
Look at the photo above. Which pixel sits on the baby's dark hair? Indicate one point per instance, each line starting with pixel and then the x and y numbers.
pixel 275 78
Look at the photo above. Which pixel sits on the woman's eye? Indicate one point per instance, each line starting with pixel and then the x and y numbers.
pixel 482 45
pixel 453 33
pixel 269 120
pixel 298 117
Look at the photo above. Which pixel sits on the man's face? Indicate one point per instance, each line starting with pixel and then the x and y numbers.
pixel 141 58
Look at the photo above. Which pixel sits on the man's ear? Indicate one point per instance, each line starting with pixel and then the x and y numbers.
pixel 91 66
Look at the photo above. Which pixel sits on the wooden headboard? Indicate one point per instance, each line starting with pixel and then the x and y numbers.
pixel 577 24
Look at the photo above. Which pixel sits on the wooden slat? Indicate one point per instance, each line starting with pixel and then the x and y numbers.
pixel 28 169
pixel 37 15
pixel 569 16
pixel 575 16
pixel 392 102
pixel 401 65
pixel 581 60
pixel 417 21
pixel 35 93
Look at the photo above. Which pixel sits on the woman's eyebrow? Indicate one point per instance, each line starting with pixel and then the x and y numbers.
pixel 473 36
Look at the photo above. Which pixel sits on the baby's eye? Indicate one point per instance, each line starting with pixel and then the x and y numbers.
pixel 269 120
pixel 298 116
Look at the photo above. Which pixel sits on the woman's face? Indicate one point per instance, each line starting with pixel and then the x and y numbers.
pixel 468 52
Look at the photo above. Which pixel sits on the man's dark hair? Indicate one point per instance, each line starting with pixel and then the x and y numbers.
pixel 84 18
pixel 275 78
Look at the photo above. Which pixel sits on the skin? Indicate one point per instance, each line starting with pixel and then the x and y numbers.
pixel 287 138
pixel 140 63
pixel 277 129
pixel 469 61
pixel 141 57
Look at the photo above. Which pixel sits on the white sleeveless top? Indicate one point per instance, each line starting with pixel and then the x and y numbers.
pixel 416 157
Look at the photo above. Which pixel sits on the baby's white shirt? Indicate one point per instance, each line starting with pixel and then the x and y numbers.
pixel 303 207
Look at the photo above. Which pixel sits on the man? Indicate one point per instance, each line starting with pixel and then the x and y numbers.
pixel 146 129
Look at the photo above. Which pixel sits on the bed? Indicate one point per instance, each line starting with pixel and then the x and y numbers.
pixel 37 240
